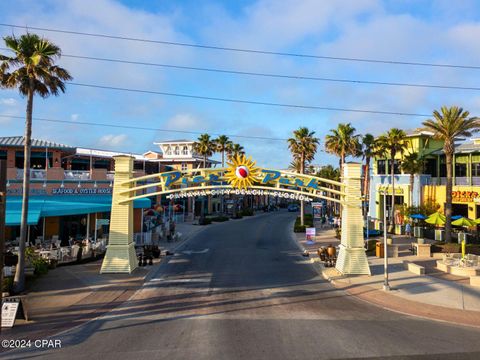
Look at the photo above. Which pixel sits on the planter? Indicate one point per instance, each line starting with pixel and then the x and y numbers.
pixel 439 234
pixel 417 231
pixel 331 251
pixel 421 241
pixel 399 229
pixel 389 241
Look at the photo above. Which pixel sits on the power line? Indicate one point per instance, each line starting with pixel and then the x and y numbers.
pixel 142 128
pixel 253 51
pixel 251 102
pixel 295 77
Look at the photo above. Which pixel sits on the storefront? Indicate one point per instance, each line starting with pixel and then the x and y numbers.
pixel 402 196
pixel 465 199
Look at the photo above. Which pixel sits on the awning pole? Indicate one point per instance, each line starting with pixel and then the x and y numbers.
pixel 44 231
pixel 96 227
pixel 88 225
pixel 141 225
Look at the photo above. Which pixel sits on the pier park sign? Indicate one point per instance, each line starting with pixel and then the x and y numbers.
pixel 240 177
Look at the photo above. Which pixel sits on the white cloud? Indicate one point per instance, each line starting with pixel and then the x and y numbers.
pixel 8 101
pixel 186 122
pixel 112 141
pixel 74 117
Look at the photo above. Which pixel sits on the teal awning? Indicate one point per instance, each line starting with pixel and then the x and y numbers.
pixel 47 206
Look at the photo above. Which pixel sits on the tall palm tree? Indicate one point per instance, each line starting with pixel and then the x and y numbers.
pixel 222 142
pixel 234 150
pixel 448 125
pixel 204 146
pixel 330 173
pixel 303 146
pixel 295 165
pixel 392 143
pixel 343 142
pixel 33 71
pixel 412 164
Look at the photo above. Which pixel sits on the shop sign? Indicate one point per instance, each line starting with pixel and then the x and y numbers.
pixel 81 191
pixel 465 196
pixel 9 313
pixel 317 210
pixel 19 192
pixel 388 189
pixel 275 193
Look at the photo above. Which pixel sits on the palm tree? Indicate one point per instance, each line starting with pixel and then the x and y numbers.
pixel 204 146
pixel 303 146
pixel 33 71
pixel 412 164
pixel 330 173
pixel 222 142
pixel 343 142
pixel 234 150
pixel 448 125
pixel 295 165
pixel 392 143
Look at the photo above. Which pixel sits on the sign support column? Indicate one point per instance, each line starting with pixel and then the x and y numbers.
pixel 120 256
pixel 352 258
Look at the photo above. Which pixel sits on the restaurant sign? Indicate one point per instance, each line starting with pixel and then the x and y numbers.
pixel 81 191
pixel 388 189
pixel 465 196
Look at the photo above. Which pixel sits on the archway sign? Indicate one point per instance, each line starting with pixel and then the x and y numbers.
pixel 241 177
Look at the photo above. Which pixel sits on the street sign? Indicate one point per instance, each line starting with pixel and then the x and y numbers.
pixel 310 233
pixel 317 210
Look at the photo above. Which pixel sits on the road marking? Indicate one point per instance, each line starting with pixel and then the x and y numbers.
pixel 190 252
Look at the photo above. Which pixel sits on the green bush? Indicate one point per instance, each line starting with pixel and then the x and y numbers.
pixel 219 218
pixel 39 264
pixel 246 212
pixel 204 221
pixel 7 284
pixel 299 228
pixel 308 222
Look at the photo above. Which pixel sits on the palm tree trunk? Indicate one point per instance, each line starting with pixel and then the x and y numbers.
pixel 222 205
pixel 202 210
pixel 392 172
pixel 302 204
pixel 412 182
pixel 366 188
pixel 448 203
pixel 19 280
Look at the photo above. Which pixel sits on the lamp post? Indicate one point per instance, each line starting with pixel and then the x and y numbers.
pixel 386 286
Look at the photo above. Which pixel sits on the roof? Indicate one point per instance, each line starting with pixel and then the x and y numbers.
pixel 19 141
pixel 107 154
pixel 182 141
pixel 418 132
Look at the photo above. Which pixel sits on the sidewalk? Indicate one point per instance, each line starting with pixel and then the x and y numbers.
pixel 436 295
pixel 71 295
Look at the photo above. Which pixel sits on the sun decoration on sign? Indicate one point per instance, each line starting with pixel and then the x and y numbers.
pixel 241 172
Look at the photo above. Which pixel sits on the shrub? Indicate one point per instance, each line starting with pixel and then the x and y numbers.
pixel 308 222
pixel 247 212
pixel 299 228
pixel 39 264
pixel 7 284
pixel 204 221
pixel 219 218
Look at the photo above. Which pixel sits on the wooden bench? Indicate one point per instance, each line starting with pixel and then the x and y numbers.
pixel 475 280
pixel 414 268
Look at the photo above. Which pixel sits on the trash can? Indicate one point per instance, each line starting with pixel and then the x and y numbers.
pixel 462 237
pixel 399 229
pixel 439 235
pixel 418 231
pixel 379 248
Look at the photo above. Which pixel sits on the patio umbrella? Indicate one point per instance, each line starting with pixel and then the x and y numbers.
pixel 456 217
pixel 418 216
pixel 465 222
pixel 436 219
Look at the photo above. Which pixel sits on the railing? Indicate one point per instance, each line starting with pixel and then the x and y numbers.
pixel 34 174
pixel 141 239
pixel 476 180
pixel 439 181
pixel 77 175
pixel 462 181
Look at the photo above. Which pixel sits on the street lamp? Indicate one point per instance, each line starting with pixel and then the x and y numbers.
pixel 386 286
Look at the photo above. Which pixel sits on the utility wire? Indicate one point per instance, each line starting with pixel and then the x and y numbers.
pixel 253 51
pixel 199 97
pixel 295 77
pixel 141 128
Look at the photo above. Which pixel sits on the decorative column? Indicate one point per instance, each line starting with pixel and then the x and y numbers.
pixel 352 258
pixel 120 256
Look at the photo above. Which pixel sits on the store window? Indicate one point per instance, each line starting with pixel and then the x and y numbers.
pixel 184 166
pixel 475 169
pixel 460 170
pixel 381 170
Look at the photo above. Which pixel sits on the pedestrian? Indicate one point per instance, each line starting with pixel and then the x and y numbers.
pixel 408 229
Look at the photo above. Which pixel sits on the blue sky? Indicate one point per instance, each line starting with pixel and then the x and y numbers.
pixel 410 30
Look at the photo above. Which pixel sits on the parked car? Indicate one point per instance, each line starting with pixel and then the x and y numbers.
pixel 293 208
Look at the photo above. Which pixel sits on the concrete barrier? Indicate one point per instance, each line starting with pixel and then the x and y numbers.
pixel 414 268
pixel 475 280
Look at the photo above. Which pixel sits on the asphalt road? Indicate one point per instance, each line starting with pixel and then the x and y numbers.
pixel 241 290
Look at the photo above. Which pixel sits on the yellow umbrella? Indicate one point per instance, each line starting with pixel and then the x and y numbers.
pixel 436 219
pixel 463 221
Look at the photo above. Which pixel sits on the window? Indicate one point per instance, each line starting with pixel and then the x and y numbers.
pixel 177 150
pixel 475 169
pixel 443 167
pixel 431 167
pixel 396 166
pixel 185 150
pixel 169 150
pixel 460 170
pixel 381 167
pixel 184 166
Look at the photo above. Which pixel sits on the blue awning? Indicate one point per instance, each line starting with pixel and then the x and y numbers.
pixel 46 206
